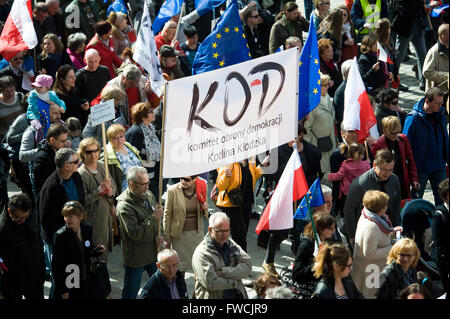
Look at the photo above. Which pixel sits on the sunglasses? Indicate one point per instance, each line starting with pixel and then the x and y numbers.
pixel 17 58
pixel 186 179
pixel 91 151
pixel 74 162
pixel 394 102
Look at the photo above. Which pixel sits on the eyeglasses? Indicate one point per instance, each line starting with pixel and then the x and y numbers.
pixel 407 255
pixel 186 179
pixel 142 184
pixel 17 58
pixel 394 102
pixel 174 266
pixel 221 231
pixel 349 265
pixel 255 17
pixel 74 162
pixel 118 137
pixel 89 152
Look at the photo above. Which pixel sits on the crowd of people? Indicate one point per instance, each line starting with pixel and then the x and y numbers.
pixel 85 192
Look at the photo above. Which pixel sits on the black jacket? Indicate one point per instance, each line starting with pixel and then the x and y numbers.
pixel 304 261
pixel 440 233
pixel 51 65
pixel 392 281
pixel 381 112
pixel 22 252
pixel 135 136
pixel 325 289
pixel 334 74
pixel 403 12
pixel 311 166
pixel 372 79
pixel 43 165
pixel 51 201
pixel 254 40
pixel 156 287
pixel 69 250
pixel 338 102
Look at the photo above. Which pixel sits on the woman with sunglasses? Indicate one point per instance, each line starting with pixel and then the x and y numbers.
pixel 333 264
pixel 400 271
pixel 183 218
pixel 387 105
pixel 99 193
pixel 405 166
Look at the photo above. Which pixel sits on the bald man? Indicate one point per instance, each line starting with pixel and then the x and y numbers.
pixel 167 34
pixel 435 69
pixel 92 78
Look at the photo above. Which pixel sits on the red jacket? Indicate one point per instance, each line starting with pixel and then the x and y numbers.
pixel 108 56
pixel 407 158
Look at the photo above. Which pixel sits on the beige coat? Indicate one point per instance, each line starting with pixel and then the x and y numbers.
pixel 97 208
pixel 370 253
pixel 206 261
pixel 321 124
pixel 175 213
pixel 435 69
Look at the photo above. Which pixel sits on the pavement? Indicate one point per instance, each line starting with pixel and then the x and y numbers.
pixel 284 256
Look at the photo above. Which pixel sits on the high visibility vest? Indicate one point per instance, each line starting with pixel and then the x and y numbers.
pixel 371 16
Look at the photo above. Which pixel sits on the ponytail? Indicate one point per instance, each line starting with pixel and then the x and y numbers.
pixel 321 261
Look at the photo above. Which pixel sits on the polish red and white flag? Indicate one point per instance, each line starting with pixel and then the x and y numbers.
pixel 358 111
pixel 292 186
pixel 382 54
pixel 18 33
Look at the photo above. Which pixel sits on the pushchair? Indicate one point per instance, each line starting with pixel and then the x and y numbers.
pixel 416 222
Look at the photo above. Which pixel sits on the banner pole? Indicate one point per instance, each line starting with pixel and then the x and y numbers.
pixel 178 24
pixel 105 154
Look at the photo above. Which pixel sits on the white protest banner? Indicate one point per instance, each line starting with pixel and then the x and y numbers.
pixel 103 112
pixel 231 114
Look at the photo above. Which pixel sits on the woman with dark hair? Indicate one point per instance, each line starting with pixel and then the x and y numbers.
pixel 142 136
pixel 52 55
pixel 375 73
pixel 349 46
pixel 11 103
pixel 333 264
pixel 104 45
pixel 331 28
pixel 415 291
pixel 76 43
pixel 65 89
pixel 328 65
pixel 387 105
pixel 73 246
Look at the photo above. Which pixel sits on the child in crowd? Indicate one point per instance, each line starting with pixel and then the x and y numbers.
pixel 350 169
pixel 74 136
pixel 42 85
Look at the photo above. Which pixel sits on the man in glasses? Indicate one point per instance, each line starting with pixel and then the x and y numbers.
pixel 139 216
pixel 219 263
pixel 21 251
pixel 14 69
pixel 252 33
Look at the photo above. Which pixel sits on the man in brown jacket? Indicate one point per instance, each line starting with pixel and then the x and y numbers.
pixel 435 69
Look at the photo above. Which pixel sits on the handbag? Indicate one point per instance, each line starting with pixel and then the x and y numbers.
pixel 236 195
pixel 99 286
pixel 325 144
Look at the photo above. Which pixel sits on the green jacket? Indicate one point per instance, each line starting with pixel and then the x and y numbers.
pixel 138 228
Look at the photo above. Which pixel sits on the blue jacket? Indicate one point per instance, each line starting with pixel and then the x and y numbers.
pixel 430 149
pixel 156 287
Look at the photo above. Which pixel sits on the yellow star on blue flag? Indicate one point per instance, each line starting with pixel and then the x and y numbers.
pixel 315 200
pixel 230 47
pixel 117 6
pixel 309 77
pixel 44 117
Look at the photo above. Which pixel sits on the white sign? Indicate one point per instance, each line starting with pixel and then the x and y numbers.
pixel 230 114
pixel 103 112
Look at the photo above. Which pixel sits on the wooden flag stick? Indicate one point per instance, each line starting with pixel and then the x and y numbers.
pixel 105 154
pixel 178 24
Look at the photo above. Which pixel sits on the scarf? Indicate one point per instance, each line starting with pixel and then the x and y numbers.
pixel 346 29
pixel 290 26
pixel 382 222
pixel 152 144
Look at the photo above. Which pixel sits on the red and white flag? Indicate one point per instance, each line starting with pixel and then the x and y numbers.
pixel 382 54
pixel 292 186
pixel 18 33
pixel 358 112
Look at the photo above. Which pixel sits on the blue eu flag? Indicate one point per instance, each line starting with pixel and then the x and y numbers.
pixel 44 115
pixel 117 6
pixel 225 46
pixel 309 72
pixel 315 198
pixel 204 6
pixel 168 9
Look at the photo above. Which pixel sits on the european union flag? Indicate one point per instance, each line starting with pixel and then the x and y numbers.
pixel 204 6
pixel 225 46
pixel 44 114
pixel 309 72
pixel 315 197
pixel 168 9
pixel 117 6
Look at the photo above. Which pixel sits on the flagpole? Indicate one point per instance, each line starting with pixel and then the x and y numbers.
pixel 312 220
pixel 179 22
pixel 161 161
pixel 367 150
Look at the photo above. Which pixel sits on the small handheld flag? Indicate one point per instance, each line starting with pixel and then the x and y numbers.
pixel 315 198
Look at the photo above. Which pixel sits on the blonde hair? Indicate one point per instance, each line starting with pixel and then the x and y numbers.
pixel 391 124
pixel 404 245
pixel 327 255
pixel 324 78
pixel 115 19
pixel 112 92
pixel 375 201
pixel 355 150
pixel 114 130
pixel 85 142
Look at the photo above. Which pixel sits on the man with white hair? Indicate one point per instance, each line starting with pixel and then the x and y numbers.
pixel 167 282
pixel 219 263
pixel 91 79
pixel 167 35
pixel 139 216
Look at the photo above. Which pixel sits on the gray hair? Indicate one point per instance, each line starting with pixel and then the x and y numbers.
pixel 48 2
pixel 133 171
pixel 345 68
pixel 63 155
pixel 132 72
pixel 291 41
pixel 166 253
pixel 75 40
pixel 279 292
pixel 219 216
pixel 326 189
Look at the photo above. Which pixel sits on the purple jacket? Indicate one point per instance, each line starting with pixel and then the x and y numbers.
pixel 77 59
